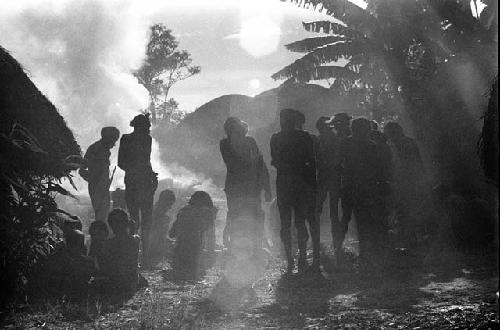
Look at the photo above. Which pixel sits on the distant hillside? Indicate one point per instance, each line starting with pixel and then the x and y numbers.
pixel 194 144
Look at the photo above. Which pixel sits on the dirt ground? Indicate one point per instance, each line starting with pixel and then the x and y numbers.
pixel 450 292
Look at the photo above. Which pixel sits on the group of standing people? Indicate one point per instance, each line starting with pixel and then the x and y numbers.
pixel 134 157
pixel 193 230
pixel 350 163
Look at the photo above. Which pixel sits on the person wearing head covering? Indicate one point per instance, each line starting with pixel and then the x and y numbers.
pixel 362 173
pixel 189 229
pixel 247 176
pixel 96 171
pixel 292 154
pixel 342 123
pixel 134 157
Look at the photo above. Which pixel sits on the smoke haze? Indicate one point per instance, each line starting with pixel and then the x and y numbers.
pixel 81 55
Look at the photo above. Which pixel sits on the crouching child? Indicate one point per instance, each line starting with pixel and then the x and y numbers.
pixel 190 230
pixel 118 262
pixel 160 244
pixel 99 232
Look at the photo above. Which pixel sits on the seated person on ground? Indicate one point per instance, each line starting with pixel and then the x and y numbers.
pixel 193 221
pixel 161 221
pixel 99 232
pixel 68 269
pixel 120 257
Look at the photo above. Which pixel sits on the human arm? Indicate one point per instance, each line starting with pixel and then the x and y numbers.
pixel 311 158
pixel 123 157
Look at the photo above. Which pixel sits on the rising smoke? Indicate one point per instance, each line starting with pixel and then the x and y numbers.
pixel 81 55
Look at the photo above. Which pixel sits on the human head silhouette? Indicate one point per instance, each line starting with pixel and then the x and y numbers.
pixel 288 119
pixel 361 128
pixel 341 121
pixel 323 124
pixel 119 222
pixel 166 199
pixel 234 127
pixel 110 135
pixel 393 130
pixel 141 123
pixel 201 199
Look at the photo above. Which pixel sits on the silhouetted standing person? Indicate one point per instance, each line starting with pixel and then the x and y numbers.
pixel 312 216
pixel 292 153
pixel 363 174
pixel 382 142
pixel 96 171
pixel 342 125
pixel 134 157
pixel 247 176
pixel 408 175
pixel 327 155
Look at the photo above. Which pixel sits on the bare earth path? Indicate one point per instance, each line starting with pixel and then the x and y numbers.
pixel 449 295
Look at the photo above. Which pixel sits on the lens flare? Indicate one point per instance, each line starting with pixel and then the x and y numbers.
pixel 259 36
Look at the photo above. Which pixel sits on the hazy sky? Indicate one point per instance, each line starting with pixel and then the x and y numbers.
pixel 238 44
pixel 81 53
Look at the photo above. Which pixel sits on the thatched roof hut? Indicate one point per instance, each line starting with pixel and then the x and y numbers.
pixel 23 104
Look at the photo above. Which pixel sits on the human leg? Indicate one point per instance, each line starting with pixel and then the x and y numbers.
pixel 285 235
pixel 132 199
pixel 146 211
pixel 347 210
pixel 301 212
pixel 333 199
pixel 100 199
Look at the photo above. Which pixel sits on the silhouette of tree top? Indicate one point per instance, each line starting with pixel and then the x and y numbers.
pixel 163 67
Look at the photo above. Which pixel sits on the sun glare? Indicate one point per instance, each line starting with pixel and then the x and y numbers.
pixel 254 84
pixel 259 36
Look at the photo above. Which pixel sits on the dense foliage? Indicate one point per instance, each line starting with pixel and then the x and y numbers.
pixel 28 226
pixel 436 56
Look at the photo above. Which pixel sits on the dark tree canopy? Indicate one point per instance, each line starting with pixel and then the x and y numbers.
pixel 408 50
pixel 387 47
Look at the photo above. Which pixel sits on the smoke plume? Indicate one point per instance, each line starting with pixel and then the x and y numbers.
pixel 81 54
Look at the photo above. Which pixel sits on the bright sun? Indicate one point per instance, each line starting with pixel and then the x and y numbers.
pixel 259 36
pixel 254 83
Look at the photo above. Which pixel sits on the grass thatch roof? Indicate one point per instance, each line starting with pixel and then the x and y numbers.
pixel 22 103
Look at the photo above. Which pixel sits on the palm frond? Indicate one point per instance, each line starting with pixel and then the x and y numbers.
pixel 344 10
pixel 327 27
pixel 309 44
pixel 306 66
pixel 333 71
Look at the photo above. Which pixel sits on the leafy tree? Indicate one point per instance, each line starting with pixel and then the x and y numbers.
pixel 407 49
pixel 163 67
pixel 29 217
